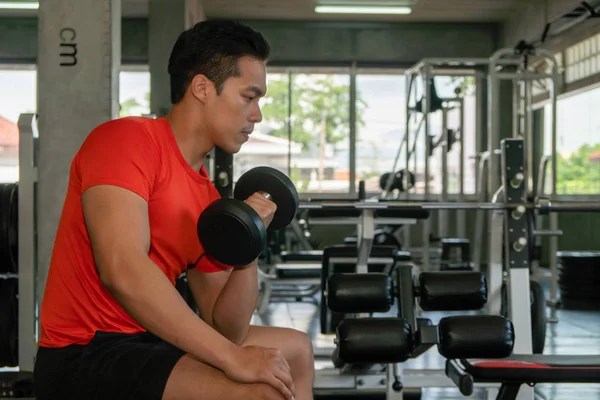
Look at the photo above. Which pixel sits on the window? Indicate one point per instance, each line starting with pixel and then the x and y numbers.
pixel 380 125
pixel 445 88
pixel 577 143
pixel 317 122
pixel 320 125
pixel 134 91
pixel 18 86
pixel 269 144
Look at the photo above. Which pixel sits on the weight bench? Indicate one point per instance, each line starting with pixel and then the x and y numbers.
pixel 517 370
pixel 340 259
pixel 298 276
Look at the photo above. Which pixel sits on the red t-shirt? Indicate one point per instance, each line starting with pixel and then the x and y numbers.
pixel 141 155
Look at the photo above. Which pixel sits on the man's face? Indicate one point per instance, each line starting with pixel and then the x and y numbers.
pixel 231 116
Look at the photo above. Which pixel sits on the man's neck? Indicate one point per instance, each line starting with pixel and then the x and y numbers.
pixel 189 134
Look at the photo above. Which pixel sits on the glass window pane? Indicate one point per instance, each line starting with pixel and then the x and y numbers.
pixel 19 95
pixel 381 119
pixel 269 144
pixel 134 93
pixel 446 87
pixel 320 133
pixel 578 144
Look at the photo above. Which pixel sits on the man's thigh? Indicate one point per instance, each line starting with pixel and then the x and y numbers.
pixel 115 365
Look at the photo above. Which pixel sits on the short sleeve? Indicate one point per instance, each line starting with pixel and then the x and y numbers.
pixel 122 153
pixel 207 263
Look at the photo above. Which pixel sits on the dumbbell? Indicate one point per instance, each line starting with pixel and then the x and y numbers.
pixel 232 232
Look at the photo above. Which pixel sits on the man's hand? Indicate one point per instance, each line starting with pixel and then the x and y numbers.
pixel 263 206
pixel 256 364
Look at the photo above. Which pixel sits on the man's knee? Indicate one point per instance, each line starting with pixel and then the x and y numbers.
pixel 301 348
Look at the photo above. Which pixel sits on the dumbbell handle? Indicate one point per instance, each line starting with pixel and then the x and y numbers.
pixel 267 195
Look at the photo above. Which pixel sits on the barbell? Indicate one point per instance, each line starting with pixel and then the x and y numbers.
pixel 543 206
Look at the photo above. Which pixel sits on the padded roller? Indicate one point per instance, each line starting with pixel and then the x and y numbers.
pixel 452 291
pixel 476 336
pixel 373 340
pixel 359 293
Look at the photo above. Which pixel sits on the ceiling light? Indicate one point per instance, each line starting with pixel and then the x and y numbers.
pixel 19 5
pixel 335 9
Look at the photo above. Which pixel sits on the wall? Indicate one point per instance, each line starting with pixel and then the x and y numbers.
pixel 299 42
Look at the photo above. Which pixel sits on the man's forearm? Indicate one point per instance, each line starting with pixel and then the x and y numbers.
pixel 147 295
pixel 236 303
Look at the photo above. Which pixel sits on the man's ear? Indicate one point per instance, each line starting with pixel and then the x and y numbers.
pixel 200 87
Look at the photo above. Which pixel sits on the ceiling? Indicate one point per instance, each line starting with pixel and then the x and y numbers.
pixel 422 11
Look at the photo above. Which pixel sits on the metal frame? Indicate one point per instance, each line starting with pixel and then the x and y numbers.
pixel 427 69
pixel 523 127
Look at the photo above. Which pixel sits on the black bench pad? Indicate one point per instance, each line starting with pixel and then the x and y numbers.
pixel 298 271
pixel 302 256
pixel 535 368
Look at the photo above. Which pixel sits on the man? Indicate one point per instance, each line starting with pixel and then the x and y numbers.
pixel 113 324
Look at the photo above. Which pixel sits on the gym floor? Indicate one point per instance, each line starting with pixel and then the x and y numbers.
pixel 575 333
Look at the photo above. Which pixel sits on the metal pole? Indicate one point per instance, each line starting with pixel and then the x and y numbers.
pixel 289 122
pixel 353 131
pixel 28 300
pixel 528 139
pixel 409 80
pixel 442 214
pixel 427 222
pixel 461 216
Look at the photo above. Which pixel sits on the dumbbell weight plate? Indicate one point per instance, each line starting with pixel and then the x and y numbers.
pixel 231 232
pixel 278 185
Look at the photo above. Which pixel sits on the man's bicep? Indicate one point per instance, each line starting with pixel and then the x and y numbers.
pixel 206 287
pixel 118 226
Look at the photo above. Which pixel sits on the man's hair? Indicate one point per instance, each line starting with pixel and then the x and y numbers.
pixel 212 48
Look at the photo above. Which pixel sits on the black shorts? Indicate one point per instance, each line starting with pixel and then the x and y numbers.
pixel 112 366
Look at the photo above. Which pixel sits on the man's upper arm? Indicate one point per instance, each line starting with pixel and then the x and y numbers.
pixel 118 227
pixel 117 164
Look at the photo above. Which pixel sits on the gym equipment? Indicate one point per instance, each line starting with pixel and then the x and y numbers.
pixel 579 279
pixel 362 340
pixel 9 221
pixel 518 372
pixel 543 206
pixel 456 255
pixel 398 180
pixel 16 385
pixel 341 259
pixel 231 231
pixel 392 340
pixel 9 340
pixel 435 102
pixel 297 276
pixel 437 291
pixel 538 314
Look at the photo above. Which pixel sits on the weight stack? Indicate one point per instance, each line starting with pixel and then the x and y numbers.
pixel 9 283
pixel 579 279
pixel 9 228
pixel 9 320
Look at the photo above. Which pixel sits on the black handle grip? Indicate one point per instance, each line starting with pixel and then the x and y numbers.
pixel 362 193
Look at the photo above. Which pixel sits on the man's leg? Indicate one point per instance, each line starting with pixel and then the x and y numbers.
pixel 193 380
pixel 297 349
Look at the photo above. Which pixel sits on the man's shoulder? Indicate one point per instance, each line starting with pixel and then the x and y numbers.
pixel 129 125
pixel 136 130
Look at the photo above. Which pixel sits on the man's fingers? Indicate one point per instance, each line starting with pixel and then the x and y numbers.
pixel 280 386
pixel 286 378
pixel 287 366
